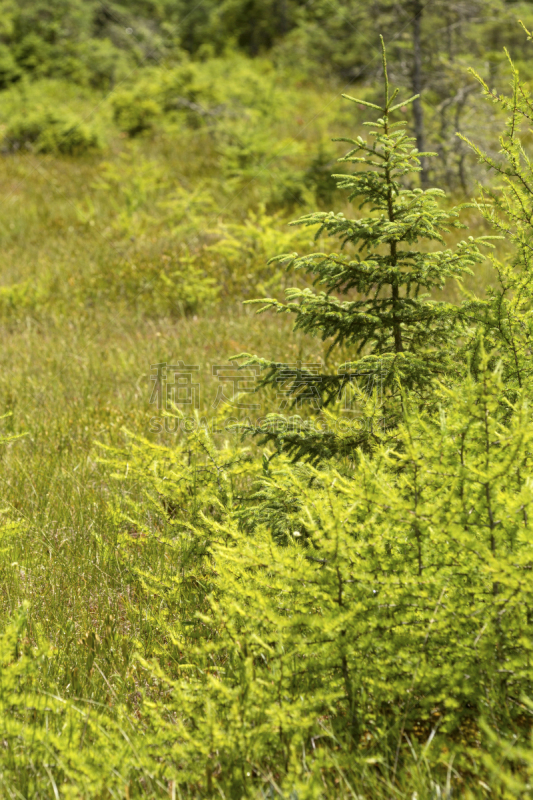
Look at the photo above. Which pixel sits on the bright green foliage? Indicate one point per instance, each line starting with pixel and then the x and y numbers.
pixel 174 491
pixel 395 608
pixel 134 114
pixel 180 484
pixel 402 337
pixel 506 315
pixel 10 72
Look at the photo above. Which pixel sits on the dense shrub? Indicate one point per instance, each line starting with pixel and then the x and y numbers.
pixel 396 605
pixel 134 113
pixel 51 132
pixel 10 72
pixel 104 65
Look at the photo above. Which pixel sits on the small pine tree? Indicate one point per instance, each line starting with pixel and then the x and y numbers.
pixel 376 299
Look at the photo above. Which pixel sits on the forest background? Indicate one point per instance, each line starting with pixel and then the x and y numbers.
pixel 152 156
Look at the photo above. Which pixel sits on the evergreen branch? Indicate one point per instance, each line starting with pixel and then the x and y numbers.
pixel 362 102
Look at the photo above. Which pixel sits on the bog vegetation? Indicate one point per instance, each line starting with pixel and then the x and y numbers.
pixel 285 554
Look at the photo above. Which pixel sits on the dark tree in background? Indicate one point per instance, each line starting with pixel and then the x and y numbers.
pixel 418 111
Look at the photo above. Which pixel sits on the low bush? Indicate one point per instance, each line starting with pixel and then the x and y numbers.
pixel 104 64
pixel 48 131
pixel 10 72
pixel 134 113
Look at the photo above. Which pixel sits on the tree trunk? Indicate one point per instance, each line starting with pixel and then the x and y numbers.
pixel 417 88
pixel 283 21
